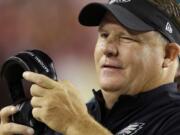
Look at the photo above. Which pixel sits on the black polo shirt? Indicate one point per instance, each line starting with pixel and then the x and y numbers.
pixel 156 112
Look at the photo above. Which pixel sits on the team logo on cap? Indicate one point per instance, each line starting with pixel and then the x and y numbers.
pixel 169 28
pixel 118 1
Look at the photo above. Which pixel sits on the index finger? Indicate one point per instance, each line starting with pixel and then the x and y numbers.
pixel 39 79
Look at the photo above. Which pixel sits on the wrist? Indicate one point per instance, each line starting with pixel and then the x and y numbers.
pixel 86 125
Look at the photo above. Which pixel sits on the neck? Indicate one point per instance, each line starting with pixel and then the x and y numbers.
pixel 110 98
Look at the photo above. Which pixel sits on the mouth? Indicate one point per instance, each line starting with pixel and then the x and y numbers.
pixel 108 66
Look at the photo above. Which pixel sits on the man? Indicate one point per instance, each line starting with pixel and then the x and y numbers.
pixel 136 58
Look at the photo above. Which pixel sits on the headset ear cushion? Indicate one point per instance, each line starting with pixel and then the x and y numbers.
pixel 30 60
pixel 12 71
pixel 13 68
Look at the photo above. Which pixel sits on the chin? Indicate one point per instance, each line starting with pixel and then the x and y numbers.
pixel 110 86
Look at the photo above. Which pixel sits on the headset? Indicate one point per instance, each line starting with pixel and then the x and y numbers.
pixel 12 69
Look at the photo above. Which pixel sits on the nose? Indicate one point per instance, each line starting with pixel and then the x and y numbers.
pixel 110 49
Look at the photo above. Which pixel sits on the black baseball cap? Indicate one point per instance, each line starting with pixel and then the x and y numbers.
pixel 137 15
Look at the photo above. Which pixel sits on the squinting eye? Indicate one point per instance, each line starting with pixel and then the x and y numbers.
pixel 128 39
pixel 104 34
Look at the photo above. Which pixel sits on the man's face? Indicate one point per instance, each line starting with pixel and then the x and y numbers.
pixel 126 61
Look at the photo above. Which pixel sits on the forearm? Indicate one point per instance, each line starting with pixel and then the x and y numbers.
pixel 87 126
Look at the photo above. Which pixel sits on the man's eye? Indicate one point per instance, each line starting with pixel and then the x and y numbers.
pixel 104 35
pixel 128 39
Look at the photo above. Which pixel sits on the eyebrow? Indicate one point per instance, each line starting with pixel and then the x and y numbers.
pixel 100 28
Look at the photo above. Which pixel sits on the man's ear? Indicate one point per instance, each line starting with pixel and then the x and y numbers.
pixel 172 51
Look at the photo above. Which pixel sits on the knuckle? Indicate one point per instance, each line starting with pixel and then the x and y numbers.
pixel 32 101
pixel 34 112
pixel 34 86
pixel 37 79
pixel 9 126
pixel 3 111
pixel 32 89
pixel 47 102
pixel 45 113
pixel 41 78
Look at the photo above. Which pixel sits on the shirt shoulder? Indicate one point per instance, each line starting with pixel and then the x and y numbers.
pixel 171 125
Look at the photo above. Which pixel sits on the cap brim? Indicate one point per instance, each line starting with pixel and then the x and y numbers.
pixel 92 15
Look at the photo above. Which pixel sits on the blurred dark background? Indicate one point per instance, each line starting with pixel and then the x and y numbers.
pixel 51 26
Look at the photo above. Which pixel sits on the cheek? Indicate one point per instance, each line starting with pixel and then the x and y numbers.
pixel 147 62
pixel 153 57
pixel 135 60
pixel 98 54
pixel 130 55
